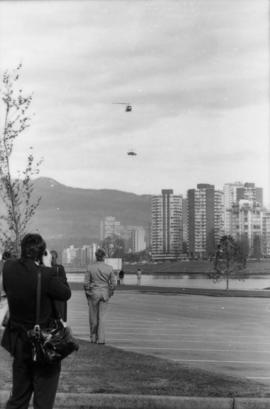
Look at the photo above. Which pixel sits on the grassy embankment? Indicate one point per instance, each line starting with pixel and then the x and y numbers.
pixel 104 369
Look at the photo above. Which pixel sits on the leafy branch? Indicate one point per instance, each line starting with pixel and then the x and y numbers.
pixel 16 193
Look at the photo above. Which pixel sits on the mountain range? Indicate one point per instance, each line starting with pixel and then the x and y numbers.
pixel 68 215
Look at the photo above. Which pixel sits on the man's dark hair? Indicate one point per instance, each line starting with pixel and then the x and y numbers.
pixel 33 246
pixel 100 254
pixel 54 253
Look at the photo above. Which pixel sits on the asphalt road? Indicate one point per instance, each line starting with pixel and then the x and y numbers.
pixel 227 335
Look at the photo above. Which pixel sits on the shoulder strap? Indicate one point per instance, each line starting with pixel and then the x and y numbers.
pixel 38 297
pixel 38 302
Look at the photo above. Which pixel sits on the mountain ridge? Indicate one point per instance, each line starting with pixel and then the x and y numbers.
pixel 70 215
pixel 45 181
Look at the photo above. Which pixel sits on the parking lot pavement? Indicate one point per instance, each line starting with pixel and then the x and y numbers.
pixel 227 335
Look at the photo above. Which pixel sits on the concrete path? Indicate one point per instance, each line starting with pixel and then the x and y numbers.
pixel 227 335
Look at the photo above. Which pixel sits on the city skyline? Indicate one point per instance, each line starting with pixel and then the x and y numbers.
pixel 196 74
pixel 192 226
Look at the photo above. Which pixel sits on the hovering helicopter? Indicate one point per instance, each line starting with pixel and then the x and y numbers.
pixel 128 106
pixel 131 153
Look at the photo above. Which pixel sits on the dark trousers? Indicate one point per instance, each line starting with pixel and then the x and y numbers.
pixel 28 379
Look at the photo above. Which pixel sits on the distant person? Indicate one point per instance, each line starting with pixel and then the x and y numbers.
pixel 5 256
pixel 99 286
pixel 61 306
pixel 121 276
pixel 139 276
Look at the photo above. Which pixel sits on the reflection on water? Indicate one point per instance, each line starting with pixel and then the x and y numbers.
pixel 257 282
pixel 201 281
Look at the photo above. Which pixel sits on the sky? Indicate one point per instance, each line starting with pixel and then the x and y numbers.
pixel 196 73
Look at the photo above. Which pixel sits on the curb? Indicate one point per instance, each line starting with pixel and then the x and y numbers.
pixel 119 401
pixel 252 403
pixel 196 291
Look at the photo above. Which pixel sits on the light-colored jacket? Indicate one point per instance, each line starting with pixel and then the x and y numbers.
pixel 100 281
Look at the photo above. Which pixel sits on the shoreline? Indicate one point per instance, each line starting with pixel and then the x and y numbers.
pixel 177 273
pixel 265 293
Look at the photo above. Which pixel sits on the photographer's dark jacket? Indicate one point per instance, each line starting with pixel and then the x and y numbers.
pixel 61 305
pixel 20 285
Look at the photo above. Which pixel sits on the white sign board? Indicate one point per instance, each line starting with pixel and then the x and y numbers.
pixel 116 263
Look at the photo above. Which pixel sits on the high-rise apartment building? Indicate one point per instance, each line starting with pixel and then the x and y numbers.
pixel 230 197
pixel 167 226
pixel 250 192
pixel 109 227
pixel 219 215
pixel 185 219
pixel 247 222
pixel 79 257
pixel 266 233
pixel 88 254
pixel 137 236
pixel 233 193
pixel 205 219
pixel 69 255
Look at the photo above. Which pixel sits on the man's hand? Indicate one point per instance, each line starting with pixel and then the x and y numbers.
pixel 47 259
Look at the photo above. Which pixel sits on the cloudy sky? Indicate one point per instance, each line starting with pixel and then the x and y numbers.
pixel 195 72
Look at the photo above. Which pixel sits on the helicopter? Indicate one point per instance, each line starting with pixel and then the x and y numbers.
pixel 128 106
pixel 131 153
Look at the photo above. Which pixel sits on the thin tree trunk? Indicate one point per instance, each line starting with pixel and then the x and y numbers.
pixel 227 282
pixel 10 191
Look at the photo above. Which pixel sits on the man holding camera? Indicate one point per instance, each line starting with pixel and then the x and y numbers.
pixel 20 285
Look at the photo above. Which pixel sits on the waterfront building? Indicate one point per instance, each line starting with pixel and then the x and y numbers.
pixel 137 238
pixel 92 252
pixel 69 255
pixel 233 193
pixel 185 219
pixel 266 233
pixel 250 192
pixel 167 226
pixel 79 256
pixel 88 254
pixel 230 197
pixel 219 215
pixel 205 219
pixel 247 222
pixel 109 227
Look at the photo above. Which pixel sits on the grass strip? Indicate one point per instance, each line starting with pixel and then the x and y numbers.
pixel 105 369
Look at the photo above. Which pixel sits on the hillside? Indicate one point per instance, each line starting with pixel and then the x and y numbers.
pixel 70 215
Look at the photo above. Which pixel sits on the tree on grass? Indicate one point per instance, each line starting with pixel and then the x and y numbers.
pixel 228 260
pixel 114 246
pixel 15 192
pixel 244 249
pixel 257 253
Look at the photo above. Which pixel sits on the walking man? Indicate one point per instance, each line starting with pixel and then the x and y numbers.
pixel 99 286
